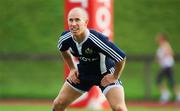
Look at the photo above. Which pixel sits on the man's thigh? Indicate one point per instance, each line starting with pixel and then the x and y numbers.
pixel 67 94
pixel 115 96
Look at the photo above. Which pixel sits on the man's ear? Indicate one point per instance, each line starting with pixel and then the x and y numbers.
pixel 87 21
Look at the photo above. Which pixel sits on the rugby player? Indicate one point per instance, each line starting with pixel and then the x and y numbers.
pixel 100 63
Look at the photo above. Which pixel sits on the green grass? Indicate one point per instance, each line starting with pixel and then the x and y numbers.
pixel 30 26
pixel 30 79
pixel 34 26
pixel 23 107
pixel 138 21
pixel 43 79
pixel 48 108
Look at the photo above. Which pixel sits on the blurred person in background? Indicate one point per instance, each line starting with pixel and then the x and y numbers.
pixel 100 63
pixel 165 57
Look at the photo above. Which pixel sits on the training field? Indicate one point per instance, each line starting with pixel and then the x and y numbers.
pixel 46 106
pixel 32 27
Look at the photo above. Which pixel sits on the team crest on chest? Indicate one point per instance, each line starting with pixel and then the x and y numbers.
pixel 88 51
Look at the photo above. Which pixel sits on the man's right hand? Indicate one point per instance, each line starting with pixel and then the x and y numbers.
pixel 73 76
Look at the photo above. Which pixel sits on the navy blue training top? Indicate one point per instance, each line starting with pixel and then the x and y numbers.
pixel 96 54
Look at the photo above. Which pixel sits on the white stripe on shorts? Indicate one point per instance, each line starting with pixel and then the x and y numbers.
pixel 117 84
pixel 78 90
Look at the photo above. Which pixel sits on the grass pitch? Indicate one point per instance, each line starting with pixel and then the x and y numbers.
pixel 38 107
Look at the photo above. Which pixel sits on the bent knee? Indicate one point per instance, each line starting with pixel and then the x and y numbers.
pixel 59 104
pixel 120 108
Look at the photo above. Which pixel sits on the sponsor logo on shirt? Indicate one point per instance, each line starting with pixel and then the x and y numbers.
pixel 85 59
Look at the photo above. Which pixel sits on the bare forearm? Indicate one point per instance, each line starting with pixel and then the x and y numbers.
pixel 68 59
pixel 119 66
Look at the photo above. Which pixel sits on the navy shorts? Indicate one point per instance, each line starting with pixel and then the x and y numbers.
pixel 86 85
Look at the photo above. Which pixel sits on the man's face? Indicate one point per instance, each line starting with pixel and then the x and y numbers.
pixel 77 23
